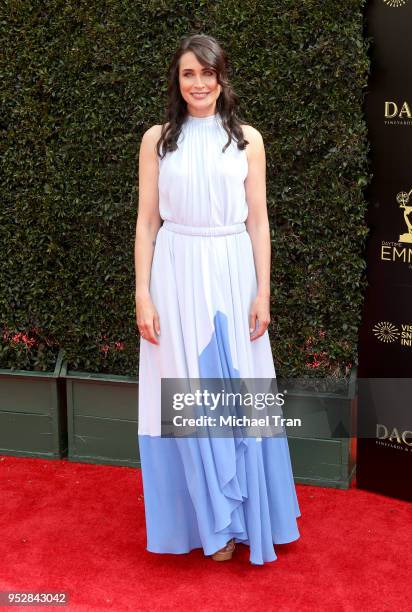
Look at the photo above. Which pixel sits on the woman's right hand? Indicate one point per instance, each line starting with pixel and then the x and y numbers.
pixel 147 317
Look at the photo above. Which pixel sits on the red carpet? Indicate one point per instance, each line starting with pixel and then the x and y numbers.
pixel 80 528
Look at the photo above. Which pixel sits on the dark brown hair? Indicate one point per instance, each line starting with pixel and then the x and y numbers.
pixel 211 55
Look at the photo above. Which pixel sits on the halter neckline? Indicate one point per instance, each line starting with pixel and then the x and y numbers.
pixel 207 119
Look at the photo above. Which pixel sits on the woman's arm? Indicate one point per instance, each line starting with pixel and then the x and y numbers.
pixel 257 225
pixel 147 225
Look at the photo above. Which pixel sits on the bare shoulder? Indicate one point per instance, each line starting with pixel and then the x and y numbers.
pixel 148 145
pixel 255 149
pixel 152 134
pixel 252 135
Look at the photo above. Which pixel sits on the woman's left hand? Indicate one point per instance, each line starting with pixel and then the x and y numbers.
pixel 259 314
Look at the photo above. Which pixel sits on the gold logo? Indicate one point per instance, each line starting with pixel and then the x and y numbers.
pixel 397 109
pixel 395 3
pixel 398 251
pixel 397 113
pixel 384 433
pixel 403 199
pixel 386 332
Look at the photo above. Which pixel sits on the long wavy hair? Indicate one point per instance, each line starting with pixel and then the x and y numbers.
pixel 211 55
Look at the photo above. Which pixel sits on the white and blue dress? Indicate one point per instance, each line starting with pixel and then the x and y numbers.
pixel 200 492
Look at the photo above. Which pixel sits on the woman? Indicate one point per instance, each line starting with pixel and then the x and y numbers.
pixel 202 309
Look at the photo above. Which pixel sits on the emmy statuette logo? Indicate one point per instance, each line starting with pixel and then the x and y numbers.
pixel 401 251
pixel 403 199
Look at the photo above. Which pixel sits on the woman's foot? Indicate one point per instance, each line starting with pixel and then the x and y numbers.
pixel 225 553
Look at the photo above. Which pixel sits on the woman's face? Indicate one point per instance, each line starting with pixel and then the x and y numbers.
pixel 198 85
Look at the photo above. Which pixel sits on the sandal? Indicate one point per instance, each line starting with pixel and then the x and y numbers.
pixel 225 553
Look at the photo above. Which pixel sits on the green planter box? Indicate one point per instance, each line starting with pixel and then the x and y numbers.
pixel 102 426
pixel 102 412
pixel 33 422
pixel 323 449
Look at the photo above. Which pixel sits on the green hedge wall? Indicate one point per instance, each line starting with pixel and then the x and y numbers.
pixel 81 82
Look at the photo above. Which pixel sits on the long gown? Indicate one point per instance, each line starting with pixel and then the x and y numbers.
pixel 199 492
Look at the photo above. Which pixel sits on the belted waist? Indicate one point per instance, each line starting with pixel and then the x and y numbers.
pixel 206 230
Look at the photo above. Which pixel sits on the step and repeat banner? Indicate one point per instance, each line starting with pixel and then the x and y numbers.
pixel 384 458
